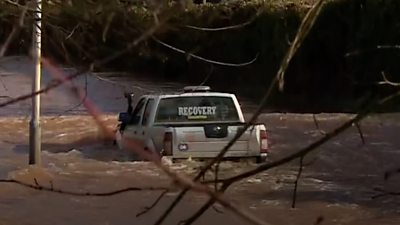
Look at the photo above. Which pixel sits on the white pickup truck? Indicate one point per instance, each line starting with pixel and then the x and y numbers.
pixel 195 123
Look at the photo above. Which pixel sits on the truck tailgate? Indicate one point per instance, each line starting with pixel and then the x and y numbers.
pixel 208 140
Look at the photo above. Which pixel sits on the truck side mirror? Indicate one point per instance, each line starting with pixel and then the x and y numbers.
pixel 129 97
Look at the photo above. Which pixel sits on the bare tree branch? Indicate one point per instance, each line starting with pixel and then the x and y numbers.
pixel 4 87
pixel 204 59
pixel 317 125
pixel 208 75
pixel 146 209
pixel 16 28
pixel 216 173
pixel 37 186
pixel 296 183
pixel 107 26
pixel 172 206
pixel 360 132
pixel 81 101
pixel 305 27
pixel 204 208
pixel 384 193
pixel 232 27
pixel 15 3
pixel 72 32
pixel 36 182
pixel 386 81
pixel 123 85
pixel 216 209
pixel 378 47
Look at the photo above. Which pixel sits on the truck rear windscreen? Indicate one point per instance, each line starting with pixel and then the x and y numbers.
pixel 196 109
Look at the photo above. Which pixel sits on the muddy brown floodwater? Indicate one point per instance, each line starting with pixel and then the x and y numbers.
pixel 337 184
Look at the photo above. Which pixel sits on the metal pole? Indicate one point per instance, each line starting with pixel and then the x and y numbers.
pixel 35 129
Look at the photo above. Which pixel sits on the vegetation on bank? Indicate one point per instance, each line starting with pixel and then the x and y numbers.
pixel 323 76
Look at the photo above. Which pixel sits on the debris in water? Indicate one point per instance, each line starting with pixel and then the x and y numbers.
pixel 254 180
pixel 166 161
pixel 270 202
pixel 61 135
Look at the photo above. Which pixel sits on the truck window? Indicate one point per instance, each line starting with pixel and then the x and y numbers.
pixel 137 113
pixel 147 111
pixel 197 109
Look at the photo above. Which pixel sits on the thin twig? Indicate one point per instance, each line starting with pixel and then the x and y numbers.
pixel 208 75
pixel 317 125
pixel 360 132
pixel 296 183
pixel 305 27
pixel 81 100
pixel 216 209
pixel 216 175
pixel 204 59
pixel 51 184
pixel 171 207
pixel 232 27
pixel 37 186
pixel 148 208
pixel 378 47
pixel 107 26
pixel 4 86
pixel 384 193
pixel 125 85
pixel 72 32
pixel 204 208
pixel 309 163
pixel 36 182
pixel 386 81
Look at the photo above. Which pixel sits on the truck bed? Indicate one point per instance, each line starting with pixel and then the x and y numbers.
pixel 207 140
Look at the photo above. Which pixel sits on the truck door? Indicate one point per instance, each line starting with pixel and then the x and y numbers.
pixel 144 130
pixel 132 130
